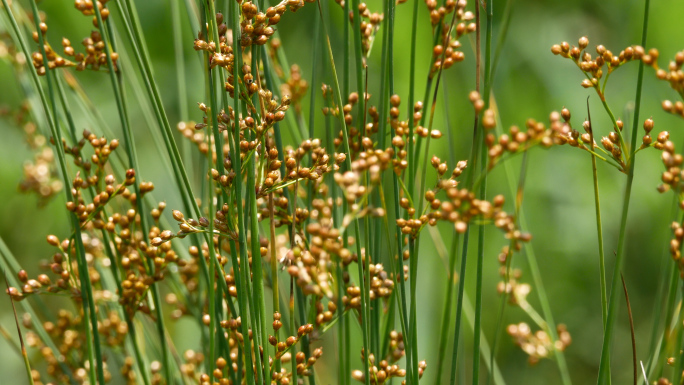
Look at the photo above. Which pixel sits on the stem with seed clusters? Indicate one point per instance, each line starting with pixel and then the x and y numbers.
pixel 613 302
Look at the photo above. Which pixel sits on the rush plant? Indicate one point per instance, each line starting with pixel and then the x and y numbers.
pixel 301 198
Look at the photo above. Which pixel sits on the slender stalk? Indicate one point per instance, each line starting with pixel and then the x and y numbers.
pixel 412 346
pixel 181 80
pixel 133 32
pixel 631 329
pixel 108 246
pixel 399 265
pixel 613 302
pixel 482 195
pixel 24 355
pixel 93 344
pixel 237 184
pixel 357 231
pixel 448 301
pixel 509 259
pixel 378 199
pixel 453 255
pixel 545 305
pixel 474 160
pixel 599 229
pixel 257 264
pixel 179 60
pixel 133 161
pixel 678 343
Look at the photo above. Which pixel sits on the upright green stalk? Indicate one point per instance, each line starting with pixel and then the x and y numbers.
pixel 412 345
pixel 482 195
pixel 599 227
pixel 357 231
pixel 615 286
pixel 24 355
pixel 179 60
pixel 421 191
pixel 257 265
pixel 133 161
pixel 108 246
pixel 474 160
pixel 93 343
pixel 453 256
pixel 364 271
pixel 599 231
pixel 399 270
pixel 180 74
pixel 237 184
pixel 678 343
pixel 135 36
pixel 399 265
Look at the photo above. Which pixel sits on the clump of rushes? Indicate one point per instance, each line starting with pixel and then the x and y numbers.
pixel 314 206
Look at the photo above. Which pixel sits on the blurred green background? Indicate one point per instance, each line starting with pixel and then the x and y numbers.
pixel 530 82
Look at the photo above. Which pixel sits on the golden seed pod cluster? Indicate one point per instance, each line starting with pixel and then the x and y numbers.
pixel 53 59
pixel 295 87
pixel 87 8
pixel 672 179
pixel 446 51
pixel 516 140
pixel 538 345
pixel 93 56
pixel 604 63
pixel 369 26
pixel 386 369
pixel 66 332
pixel 511 286
pixel 673 74
pixel 676 108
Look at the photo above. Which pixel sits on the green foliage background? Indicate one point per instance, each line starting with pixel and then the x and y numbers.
pixel 529 83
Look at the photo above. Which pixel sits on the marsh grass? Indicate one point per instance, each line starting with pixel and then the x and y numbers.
pixel 293 229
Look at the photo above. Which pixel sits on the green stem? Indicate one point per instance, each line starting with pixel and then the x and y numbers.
pixel 614 292
pixel 599 230
pixel 93 341
pixel 412 345
pixel 482 195
pixel 133 161
pixel 357 231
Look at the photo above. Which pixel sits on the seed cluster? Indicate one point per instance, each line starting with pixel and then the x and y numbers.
pixel 517 141
pixel 369 26
pixel 605 62
pixel 538 345
pixel 94 55
pixel 87 8
pixel 673 74
pixel 40 173
pixel 383 371
pixel 67 334
pixel 673 179
pixel 449 37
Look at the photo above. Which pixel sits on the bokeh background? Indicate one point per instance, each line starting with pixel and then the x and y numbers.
pixel 530 82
